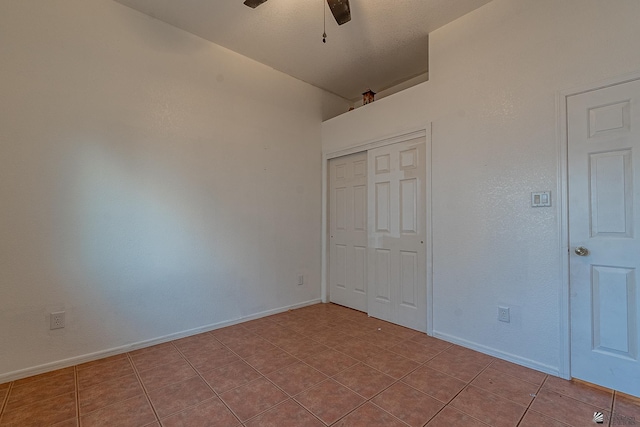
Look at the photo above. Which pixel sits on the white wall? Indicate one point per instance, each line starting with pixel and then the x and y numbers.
pixel 494 79
pixel 150 183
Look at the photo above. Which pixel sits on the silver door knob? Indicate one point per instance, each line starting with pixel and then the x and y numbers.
pixel 581 251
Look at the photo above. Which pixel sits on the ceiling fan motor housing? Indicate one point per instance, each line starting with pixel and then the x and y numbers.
pixel 254 3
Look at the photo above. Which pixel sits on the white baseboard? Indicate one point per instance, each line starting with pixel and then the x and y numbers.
pixel 518 360
pixel 76 360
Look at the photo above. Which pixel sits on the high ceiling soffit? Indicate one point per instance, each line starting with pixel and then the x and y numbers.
pixel 384 44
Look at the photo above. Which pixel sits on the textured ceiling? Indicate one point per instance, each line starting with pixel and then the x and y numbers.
pixel 385 43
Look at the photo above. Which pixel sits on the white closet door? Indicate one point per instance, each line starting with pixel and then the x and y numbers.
pixel 397 233
pixel 348 231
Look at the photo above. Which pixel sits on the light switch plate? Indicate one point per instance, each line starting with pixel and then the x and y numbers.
pixel 541 199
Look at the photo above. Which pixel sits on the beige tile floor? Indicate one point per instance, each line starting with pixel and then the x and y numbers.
pixel 319 365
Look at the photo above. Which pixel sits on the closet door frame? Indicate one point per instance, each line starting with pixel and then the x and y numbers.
pixel 422 131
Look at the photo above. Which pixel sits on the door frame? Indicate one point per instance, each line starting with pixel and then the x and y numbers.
pixel 562 136
pixel 422 131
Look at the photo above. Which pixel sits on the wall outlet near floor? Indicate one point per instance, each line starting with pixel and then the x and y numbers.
pixel 300 280
pixel 57 320
pixel 503 314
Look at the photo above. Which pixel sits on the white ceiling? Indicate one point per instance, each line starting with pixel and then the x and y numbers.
pixel 385 43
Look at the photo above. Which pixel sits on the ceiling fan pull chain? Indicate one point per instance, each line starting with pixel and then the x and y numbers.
pixel 324 17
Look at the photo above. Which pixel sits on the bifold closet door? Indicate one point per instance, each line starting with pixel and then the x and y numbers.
pixel 397 234
pixel 348 231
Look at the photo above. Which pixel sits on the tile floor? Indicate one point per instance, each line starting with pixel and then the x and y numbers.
pixel 319 365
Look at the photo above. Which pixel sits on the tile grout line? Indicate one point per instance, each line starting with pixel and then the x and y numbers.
pixel 520 379
pixel 289 398
pixel 396 381
pixel 199 374
pixel 532 400
pixel 5 400
pixel 4 404
pixel 495 394
pixel 144 388
pixel 77 390
pixel 337 373
pixel 458 393
pixel 613 399
pixel 408 340
pixel 562 394
pixel 369 401
pixel 399 380
pixel 580 400
pixel 299 360
pixel 342 417
pixel 308 333
pixel 328 377
pixel 360 406
pixel 539 390
pixel 384 410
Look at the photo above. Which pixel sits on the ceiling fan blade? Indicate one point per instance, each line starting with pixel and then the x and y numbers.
pixel 254 3
pixel 340 10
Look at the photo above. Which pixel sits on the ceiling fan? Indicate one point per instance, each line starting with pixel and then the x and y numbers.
pixel 339 8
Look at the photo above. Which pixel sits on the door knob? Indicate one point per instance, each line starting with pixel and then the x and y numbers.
pixel 581 251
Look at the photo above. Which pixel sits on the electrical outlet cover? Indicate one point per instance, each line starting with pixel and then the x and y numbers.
pixel 503 314
pixel 57 320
